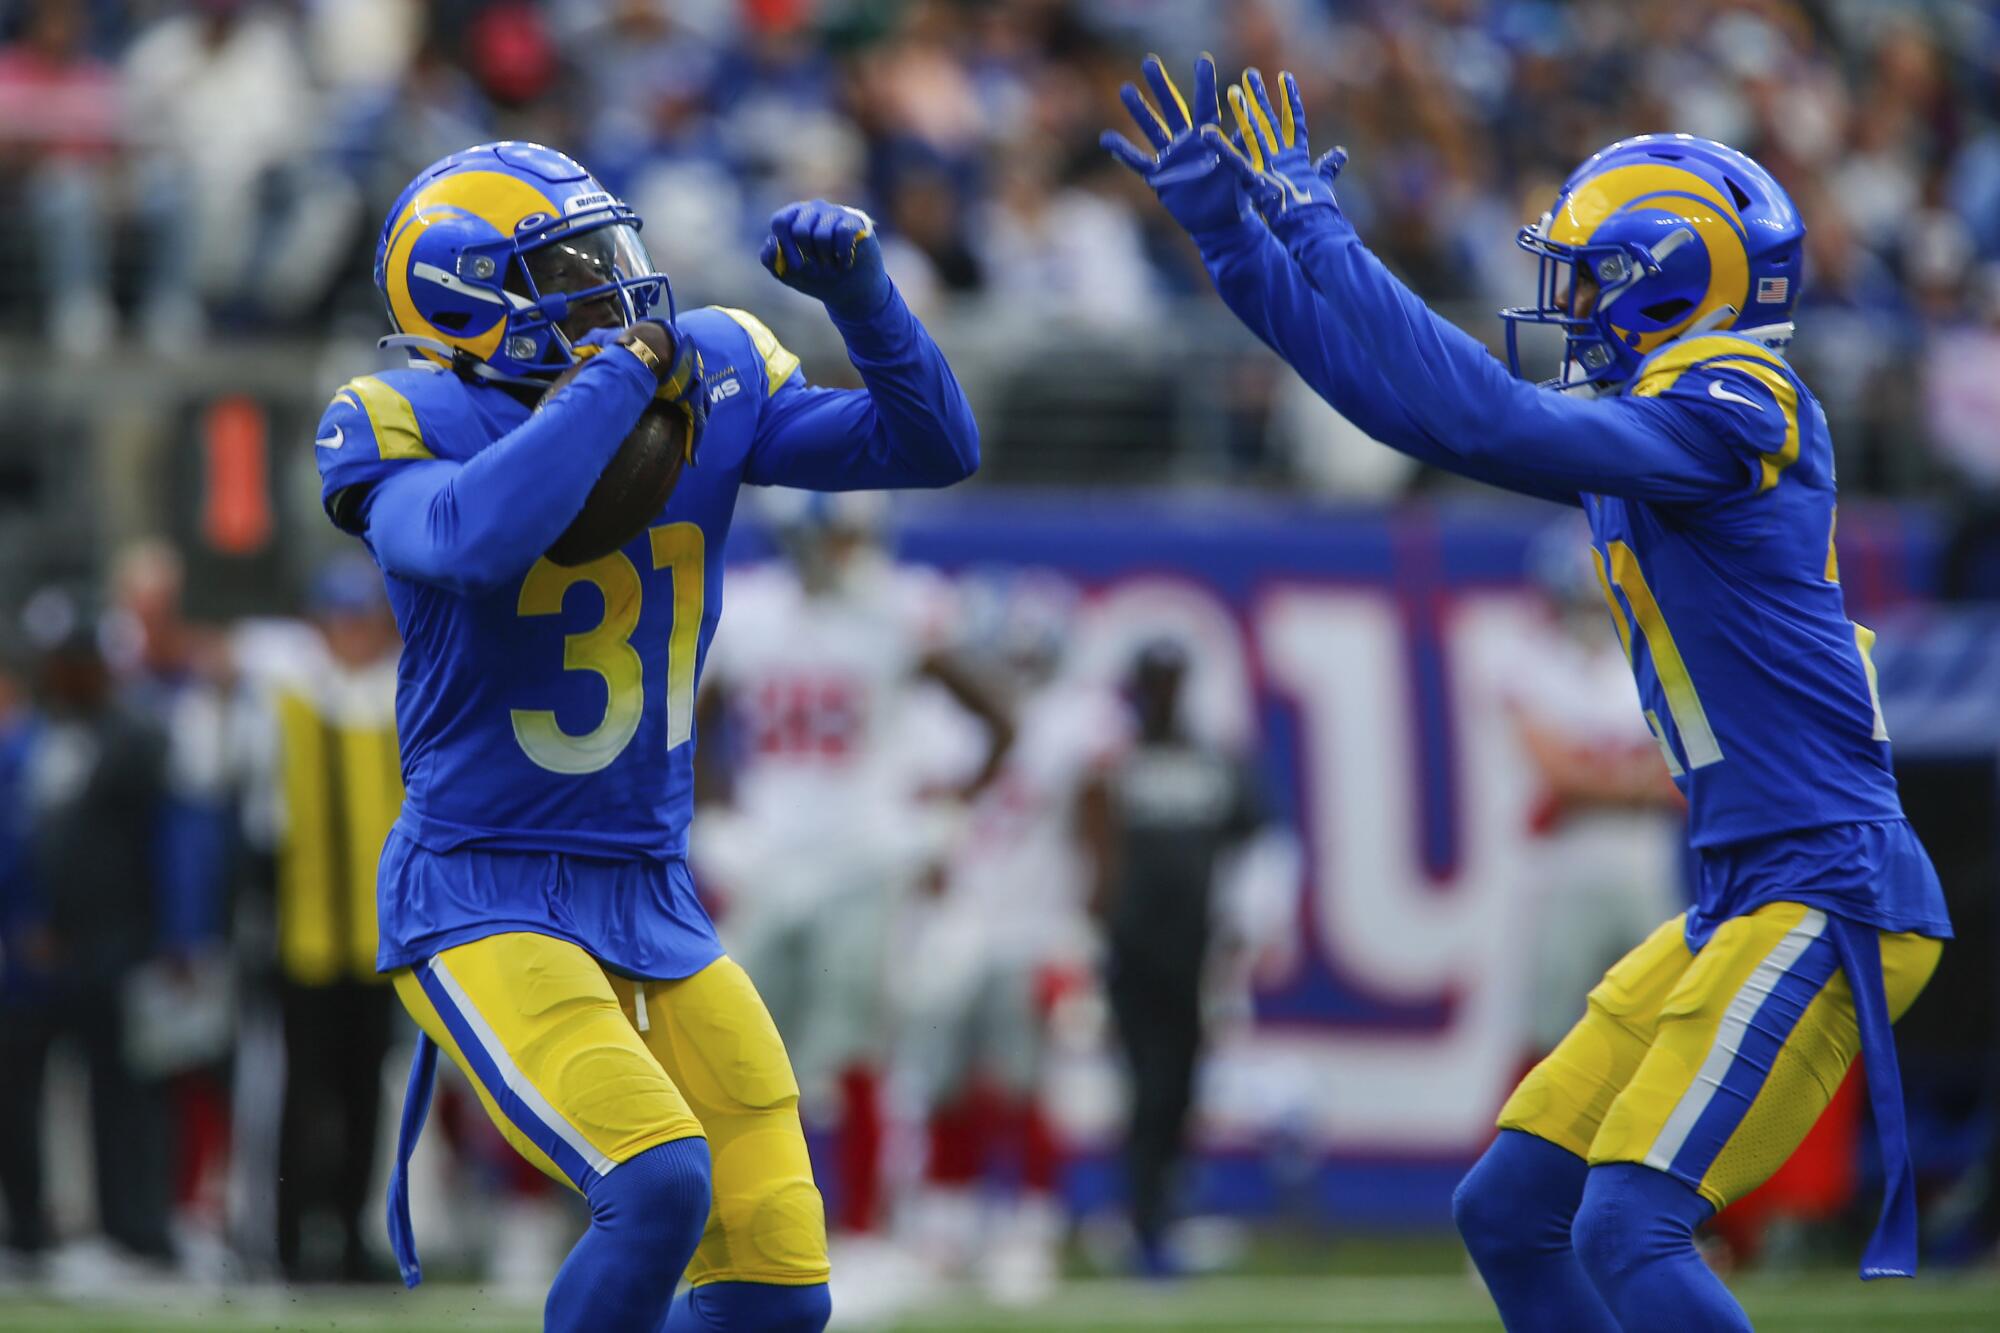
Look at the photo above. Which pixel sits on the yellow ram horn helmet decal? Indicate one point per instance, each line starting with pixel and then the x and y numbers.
pixel 500 201
pixel 1699 205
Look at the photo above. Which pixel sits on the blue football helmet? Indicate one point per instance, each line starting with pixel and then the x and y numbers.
pixel 1677 235
pixel 496 259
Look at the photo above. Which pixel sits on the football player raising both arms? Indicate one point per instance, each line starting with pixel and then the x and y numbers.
pixel 553 556
pixel 1703 464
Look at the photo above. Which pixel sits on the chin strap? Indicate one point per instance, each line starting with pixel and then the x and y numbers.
pixel 1771 335
pixel 461 362
pixel 1774 336
pixel 1708 323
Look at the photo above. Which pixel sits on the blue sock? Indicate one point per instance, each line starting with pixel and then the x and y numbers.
pixel 646 1217
pixel 1635 1237
pixel 1514 1209
pixel 750 1307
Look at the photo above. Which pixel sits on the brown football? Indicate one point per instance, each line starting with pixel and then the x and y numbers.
pixel 633 488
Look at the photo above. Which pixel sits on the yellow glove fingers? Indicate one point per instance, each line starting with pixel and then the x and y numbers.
pixel 1173 90
pixel 1294 111
pixel 1260 107
pixel 1251 147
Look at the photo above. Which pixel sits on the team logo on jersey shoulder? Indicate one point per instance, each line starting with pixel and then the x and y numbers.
pixel 725 385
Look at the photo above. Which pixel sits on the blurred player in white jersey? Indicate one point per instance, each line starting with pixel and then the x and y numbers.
pixel 1608 824
pixel 1008 924
pixel 813 826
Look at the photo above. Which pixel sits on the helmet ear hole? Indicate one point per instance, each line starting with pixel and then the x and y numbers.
pixel 1666 312
pixel 453 321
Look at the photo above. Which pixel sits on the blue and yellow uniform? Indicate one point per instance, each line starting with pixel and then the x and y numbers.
pixel 1706 471
pixel 554 712
pixel 535 905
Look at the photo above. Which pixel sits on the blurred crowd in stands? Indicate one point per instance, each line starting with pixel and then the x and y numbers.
pixel 189 176
pixel 968 865
pixel 182 167
pixel 189 816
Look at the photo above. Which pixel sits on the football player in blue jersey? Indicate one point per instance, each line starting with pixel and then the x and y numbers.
pixel 1671 265
pixel 536 911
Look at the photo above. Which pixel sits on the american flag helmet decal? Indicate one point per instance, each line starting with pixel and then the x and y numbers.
pixel 1773 290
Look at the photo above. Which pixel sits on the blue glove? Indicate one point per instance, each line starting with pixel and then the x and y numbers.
pixel 680 380
pixel 829 252
pixel 1183 169
pixel 1273 163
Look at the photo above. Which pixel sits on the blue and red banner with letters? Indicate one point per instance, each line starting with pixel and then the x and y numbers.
pixel 1363 658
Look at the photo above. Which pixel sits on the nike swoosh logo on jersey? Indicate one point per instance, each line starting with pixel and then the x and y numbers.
pixel 1715 390
pixel 333 441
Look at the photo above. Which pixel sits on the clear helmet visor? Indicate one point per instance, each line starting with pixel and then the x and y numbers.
pixel 605 271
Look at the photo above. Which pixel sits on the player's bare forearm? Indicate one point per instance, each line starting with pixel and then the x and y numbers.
pixel 975 697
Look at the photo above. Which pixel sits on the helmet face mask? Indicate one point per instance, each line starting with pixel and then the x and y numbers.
pixel 581 279
pixel 497 259
pixel 1678 235
pixel 1563 271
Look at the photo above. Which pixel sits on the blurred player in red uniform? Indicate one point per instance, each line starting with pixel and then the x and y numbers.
pixel 815 829
pixel 989 949
pixel 1602 870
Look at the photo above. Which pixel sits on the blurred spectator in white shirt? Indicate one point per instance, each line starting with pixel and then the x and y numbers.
pixel 221 93
pixel 1071 254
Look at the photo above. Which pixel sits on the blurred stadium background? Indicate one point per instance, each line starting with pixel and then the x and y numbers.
pixel 1447 825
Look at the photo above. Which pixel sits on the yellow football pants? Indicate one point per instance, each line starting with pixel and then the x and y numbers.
pixel 578 1079
pixel 1712 1066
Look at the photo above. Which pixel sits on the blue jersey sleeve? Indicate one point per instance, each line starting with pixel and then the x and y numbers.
pixel 1460 406
pixel 1265 290
pixel 910 427
pixel 472 525
pixel 367 432
pixel 1744 395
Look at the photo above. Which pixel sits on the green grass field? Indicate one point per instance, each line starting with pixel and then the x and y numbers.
pixel 1222 1305
pixel 1445 1302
